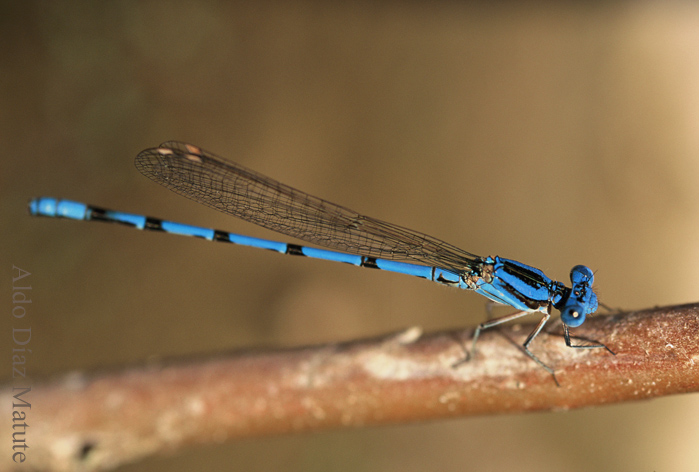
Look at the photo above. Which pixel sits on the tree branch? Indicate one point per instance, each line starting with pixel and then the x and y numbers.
pixel 93 421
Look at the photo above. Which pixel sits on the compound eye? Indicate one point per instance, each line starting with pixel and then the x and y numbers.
pixel 581 274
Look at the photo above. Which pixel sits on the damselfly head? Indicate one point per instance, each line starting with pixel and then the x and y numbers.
pixel 582 301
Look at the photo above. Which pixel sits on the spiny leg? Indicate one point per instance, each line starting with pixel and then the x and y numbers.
pixel 485 325
pixel 596 344
pixel 469 354
pixel 611 310
pixel 529 340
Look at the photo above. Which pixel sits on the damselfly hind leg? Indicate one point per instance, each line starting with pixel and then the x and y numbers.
pixel 504 319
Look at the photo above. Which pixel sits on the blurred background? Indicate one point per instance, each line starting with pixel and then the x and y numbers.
pixel 554 134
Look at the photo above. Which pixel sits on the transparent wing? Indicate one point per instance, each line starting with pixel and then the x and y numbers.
pixel 238 191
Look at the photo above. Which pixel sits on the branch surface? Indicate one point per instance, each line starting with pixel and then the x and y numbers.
pixel 99 421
